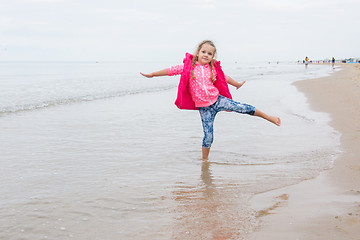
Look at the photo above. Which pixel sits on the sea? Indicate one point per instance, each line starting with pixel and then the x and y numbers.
pixel 95 151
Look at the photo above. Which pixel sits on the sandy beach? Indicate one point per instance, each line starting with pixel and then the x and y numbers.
pixel 327 207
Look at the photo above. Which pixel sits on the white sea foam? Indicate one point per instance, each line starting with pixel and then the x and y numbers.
pixel 36 85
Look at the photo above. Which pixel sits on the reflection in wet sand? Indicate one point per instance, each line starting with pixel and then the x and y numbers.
pixel 211 210
pixel 206 177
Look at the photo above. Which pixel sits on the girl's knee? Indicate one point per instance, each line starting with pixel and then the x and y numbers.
pixel 206 144
pixel 250 109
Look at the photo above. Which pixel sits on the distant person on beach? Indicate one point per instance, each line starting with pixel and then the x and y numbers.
pixel 333 62
pixel 204 86
pixel 306 61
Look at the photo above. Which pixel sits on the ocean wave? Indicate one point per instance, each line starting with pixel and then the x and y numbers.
pixel 36 105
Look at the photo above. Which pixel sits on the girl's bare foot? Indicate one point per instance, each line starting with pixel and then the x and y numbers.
pixel 205 154
pixel 275 120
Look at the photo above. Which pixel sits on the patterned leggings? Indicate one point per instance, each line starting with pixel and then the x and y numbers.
pixel 208 115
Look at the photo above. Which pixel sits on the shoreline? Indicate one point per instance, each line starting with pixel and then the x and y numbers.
pixel 328 206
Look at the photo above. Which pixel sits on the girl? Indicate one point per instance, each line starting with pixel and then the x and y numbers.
pixel 204 86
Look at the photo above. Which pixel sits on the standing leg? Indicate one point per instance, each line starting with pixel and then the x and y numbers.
pixel 205 154
pixel 207 115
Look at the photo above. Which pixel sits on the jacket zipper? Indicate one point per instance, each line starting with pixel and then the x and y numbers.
pixel 203 77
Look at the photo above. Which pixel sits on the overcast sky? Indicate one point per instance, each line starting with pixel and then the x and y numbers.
pixel 157 30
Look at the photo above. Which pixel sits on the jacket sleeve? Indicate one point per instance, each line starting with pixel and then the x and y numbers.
pixel 175 70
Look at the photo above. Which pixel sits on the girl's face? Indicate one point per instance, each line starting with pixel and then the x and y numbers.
pixel 206 54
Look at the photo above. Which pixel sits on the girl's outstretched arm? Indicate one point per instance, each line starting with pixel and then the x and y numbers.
pixel 234 83
pixel 163 72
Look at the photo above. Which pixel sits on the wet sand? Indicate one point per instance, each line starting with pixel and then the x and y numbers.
pixel 327 207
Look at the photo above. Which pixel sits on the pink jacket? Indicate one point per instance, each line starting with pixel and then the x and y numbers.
pixel 190 98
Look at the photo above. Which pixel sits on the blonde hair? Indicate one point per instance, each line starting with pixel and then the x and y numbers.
pixel 195 57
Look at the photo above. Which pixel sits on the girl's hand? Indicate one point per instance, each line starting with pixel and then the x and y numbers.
pixel 148 75
pixel 240 84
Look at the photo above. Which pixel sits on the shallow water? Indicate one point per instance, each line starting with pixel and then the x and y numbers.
pixel 94 151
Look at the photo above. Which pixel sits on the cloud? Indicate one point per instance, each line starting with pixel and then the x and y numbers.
pixel 43 1
pixel 161 28
pixel 315 7
pixel 208 4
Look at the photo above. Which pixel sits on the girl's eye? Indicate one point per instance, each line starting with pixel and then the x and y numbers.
pixel 210 54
